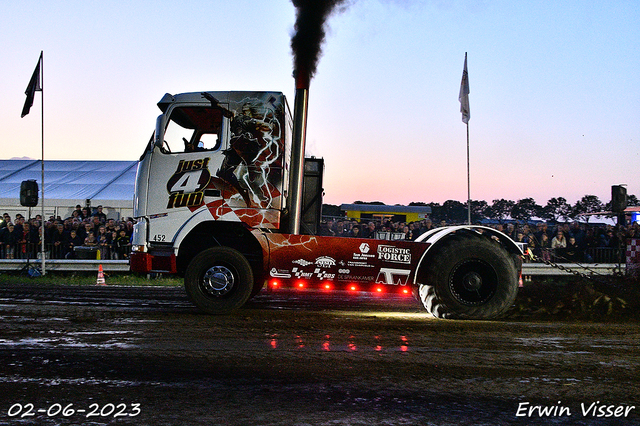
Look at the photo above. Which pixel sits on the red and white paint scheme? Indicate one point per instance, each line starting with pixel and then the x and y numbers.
pixel 218 199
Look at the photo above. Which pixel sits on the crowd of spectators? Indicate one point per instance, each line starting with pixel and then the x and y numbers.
pixel 84 230
pixel 90 230
pixel 561 242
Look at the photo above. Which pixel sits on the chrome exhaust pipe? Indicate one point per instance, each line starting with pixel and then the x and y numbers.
pixel 296 176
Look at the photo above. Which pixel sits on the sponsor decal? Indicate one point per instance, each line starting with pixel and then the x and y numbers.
pixel 358 278
pixel 186 185
pixel 317 272
pixel 393 276
pixel 360 259
pixel 394 254
pixel 325 262
pixel 275 273
pixel 323 275
pixel 159 215
pixel 357 264
pixel 301 274
pixel 302 262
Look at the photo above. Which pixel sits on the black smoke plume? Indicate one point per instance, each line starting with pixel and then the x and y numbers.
pixel 306 43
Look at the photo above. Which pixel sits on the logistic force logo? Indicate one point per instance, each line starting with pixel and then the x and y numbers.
pixel 394 254
pixel 186 186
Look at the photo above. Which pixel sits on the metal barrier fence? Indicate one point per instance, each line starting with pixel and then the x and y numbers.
pixel 65 265
pixel 603 261
pixel 89 265
pixel 590 255
pixel 53 251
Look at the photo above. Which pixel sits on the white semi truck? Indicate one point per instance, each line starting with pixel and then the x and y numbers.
pixel 225 197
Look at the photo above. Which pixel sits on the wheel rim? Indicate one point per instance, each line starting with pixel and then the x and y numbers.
pixel 473 282
pixel 218 281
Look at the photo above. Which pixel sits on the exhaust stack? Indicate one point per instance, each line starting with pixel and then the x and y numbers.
pixel 296 174
pixel 306 46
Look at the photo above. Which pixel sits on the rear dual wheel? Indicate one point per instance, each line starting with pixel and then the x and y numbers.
pixel 219 280
pixel 469 277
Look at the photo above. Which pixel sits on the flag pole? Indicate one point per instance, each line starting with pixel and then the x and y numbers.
pixel 42 226
pixel 35 85
pixel 463 97
pixel 468 180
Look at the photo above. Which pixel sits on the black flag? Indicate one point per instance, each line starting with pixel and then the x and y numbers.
pixel 32 88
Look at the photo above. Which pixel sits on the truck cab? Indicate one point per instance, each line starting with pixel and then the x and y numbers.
pixel 214 156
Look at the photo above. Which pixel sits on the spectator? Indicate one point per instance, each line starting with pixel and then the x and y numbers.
pixel 111 225
pixel 559 241
pixel 86 213
pixel 28 242
pixel 544 247
pixel 73 241
pixel 101 215
pixel 10 241
pixel 369 231
pixel 113 251
pixel 339 229
pixel 558 244
pixel 77 212
pixel 84 229
pixel 542 229
pixel 104 242
pixel 4 234
pixel 572 251
pixel 5 221
pixel 90 240
pixel 95 222
pixel 122 245
pixel 425 226
pixel 413 231
pixel 57 241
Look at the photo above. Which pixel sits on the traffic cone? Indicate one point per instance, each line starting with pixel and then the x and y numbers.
pixel 100 280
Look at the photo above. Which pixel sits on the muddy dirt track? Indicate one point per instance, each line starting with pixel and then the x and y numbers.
pixel 145 356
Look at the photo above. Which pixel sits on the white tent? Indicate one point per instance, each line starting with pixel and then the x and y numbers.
pixel 68 183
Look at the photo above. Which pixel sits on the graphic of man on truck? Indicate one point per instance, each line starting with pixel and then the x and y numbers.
pixel 228 219
pixel 249 155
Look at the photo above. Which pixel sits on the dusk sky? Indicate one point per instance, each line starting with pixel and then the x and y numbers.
pixel 554 88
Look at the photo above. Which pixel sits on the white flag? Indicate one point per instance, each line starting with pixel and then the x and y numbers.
pixel 463 97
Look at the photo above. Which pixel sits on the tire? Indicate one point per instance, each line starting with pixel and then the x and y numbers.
pixel 469 277
pixel 219 280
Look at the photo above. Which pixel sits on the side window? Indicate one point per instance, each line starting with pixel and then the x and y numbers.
pixel 192 129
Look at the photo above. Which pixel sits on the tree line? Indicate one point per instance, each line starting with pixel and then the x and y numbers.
pixel 556 209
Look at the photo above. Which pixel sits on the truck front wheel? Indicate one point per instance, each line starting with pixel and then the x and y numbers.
pixel 219 280
pixel 469 277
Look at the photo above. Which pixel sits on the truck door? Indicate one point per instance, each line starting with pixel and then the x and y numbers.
pixel 187 153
